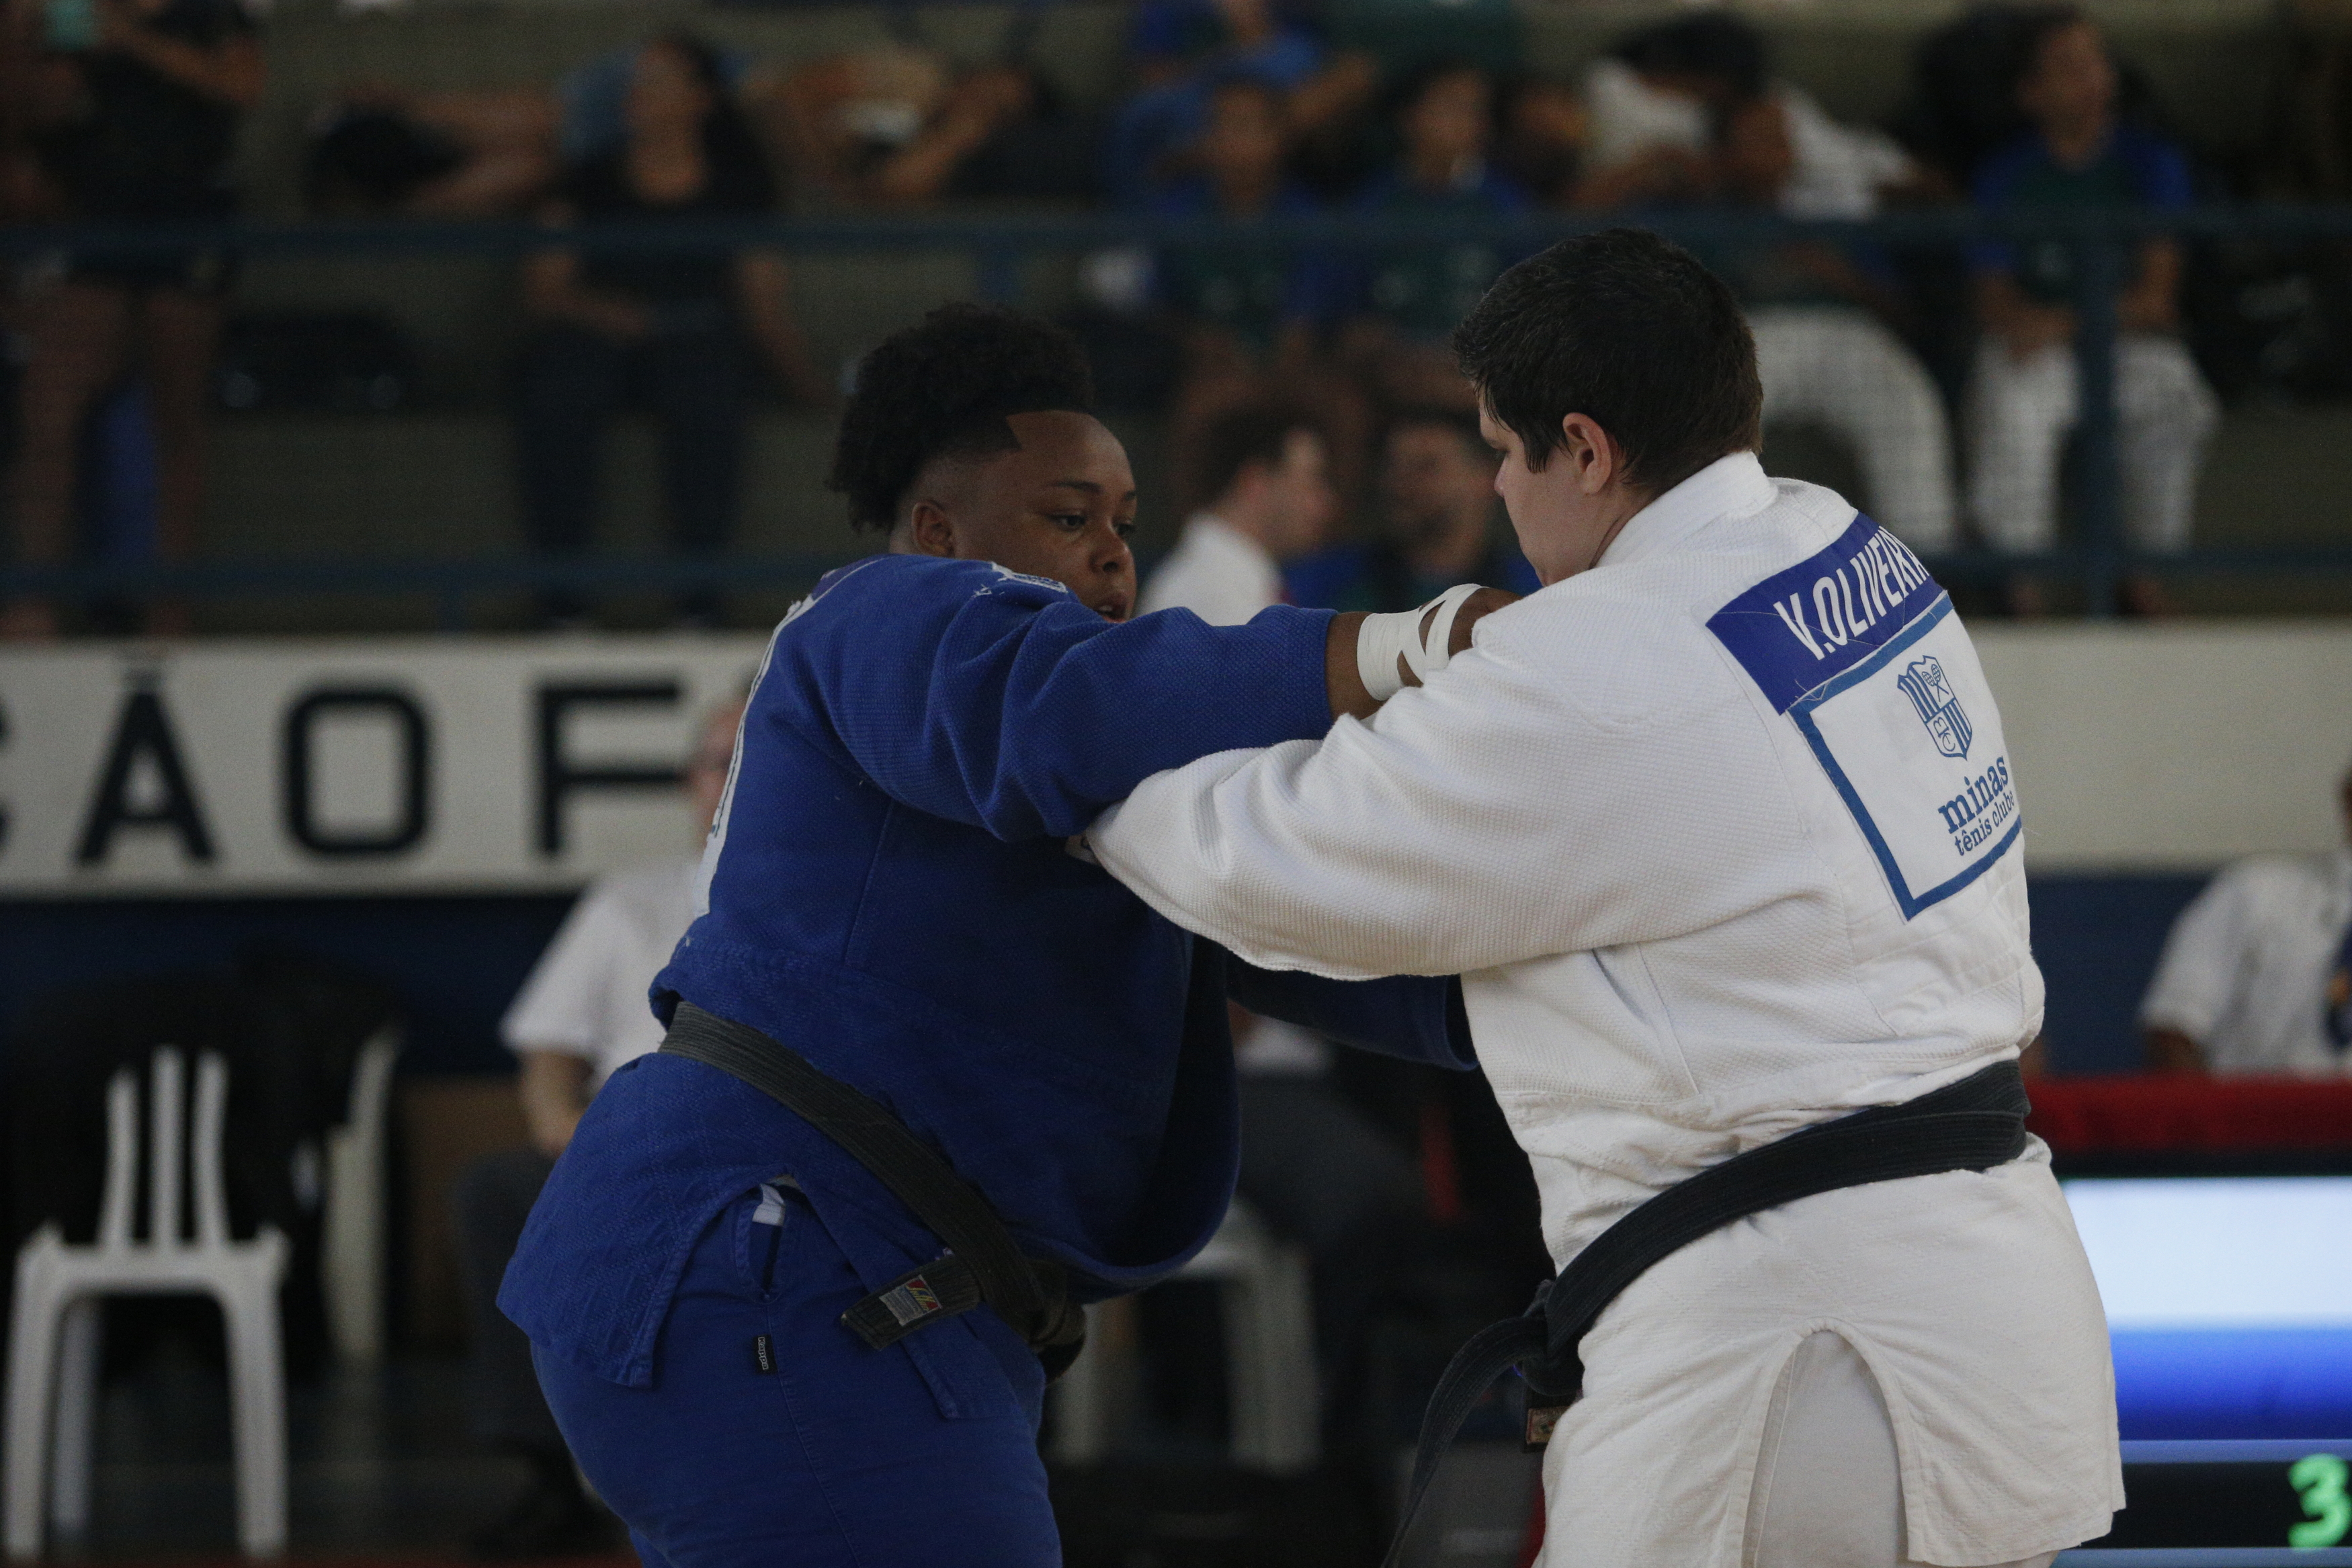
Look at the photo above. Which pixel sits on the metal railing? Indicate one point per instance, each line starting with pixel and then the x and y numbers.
pixel 2101 241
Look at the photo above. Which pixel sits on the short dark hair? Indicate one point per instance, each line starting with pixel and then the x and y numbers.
pixel 1628 331
pixel 949 384
pixel 1238 437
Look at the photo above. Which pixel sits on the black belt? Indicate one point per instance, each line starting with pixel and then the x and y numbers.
pixel 1971 1126
pixel 983 1262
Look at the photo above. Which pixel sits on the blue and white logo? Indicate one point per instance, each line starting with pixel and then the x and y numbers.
pixel 1923 682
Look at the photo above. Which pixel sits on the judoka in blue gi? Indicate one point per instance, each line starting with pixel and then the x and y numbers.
pixel 889 890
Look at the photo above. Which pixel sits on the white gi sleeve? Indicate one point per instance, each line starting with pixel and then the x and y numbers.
pixel 2198 980
pixel 1487 818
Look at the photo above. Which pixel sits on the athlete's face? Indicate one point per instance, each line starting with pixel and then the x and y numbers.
pixel 1567 511
pixel 1062 506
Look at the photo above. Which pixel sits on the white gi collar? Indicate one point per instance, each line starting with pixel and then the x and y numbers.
pixel 1730 486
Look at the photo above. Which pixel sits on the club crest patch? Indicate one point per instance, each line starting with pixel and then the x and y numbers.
pixel 1924 682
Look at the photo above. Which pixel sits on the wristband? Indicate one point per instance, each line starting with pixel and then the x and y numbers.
pixel 1382 639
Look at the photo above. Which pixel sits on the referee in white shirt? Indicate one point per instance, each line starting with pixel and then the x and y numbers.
pixel 1719 830
pixel 1268 472
pixel 581 1014
pixel 2256 977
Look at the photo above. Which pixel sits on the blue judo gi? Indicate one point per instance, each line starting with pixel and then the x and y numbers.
pixel 889 890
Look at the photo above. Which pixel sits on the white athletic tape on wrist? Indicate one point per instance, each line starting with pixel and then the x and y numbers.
pixel 1382 639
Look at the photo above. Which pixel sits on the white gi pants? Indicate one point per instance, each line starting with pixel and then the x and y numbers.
pixel 1838 367
pixel 1827 1494
pixel 2021 412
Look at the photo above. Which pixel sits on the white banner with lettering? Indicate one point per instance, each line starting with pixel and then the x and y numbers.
pixel 421 764
pixel 383 765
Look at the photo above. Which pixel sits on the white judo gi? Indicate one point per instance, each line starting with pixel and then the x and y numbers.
pixel 1721 837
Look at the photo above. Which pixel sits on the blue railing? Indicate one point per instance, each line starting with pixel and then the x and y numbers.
pixel 1001 244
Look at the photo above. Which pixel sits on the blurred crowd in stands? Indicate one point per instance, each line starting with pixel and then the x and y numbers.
pixel 1950 378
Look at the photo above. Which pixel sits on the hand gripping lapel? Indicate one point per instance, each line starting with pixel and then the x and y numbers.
pixel 1971 1126
pixel 982 1263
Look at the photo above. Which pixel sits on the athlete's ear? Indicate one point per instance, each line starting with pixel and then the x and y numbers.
pixel 1593 456
pixel 929 529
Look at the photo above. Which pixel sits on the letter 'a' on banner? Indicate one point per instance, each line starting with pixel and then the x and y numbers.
pixel 364 767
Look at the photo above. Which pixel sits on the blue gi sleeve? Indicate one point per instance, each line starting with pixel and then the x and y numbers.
pixel 1409 1016
pixel 983 696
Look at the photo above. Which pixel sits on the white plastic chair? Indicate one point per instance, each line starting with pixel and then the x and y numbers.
pixel 1269 1322
pixel 53 1342
pixel 351 1242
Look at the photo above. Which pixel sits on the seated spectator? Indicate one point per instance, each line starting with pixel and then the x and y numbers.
pixel 1249 312
pixel 1267 475
pixel 131 109
pixel 2257 974
pixel 1411 296
pixel 458 154
pixel 1001 132
pixel 581 1017
pixel 1820 314
pixel 1440 523
pixel 832 121
pixel 1546 131
pixel 1186 50
pixel 2024 400
pixel 673 326
pixel 1655 102
pixel 593 99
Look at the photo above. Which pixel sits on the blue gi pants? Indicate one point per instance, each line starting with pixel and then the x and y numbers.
pixel 843 1455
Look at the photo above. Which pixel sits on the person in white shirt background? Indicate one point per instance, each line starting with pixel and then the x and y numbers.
pixel 582 1013
pixel 1719 832
pixel 1312 1163
pixel 1266 473
pixel 2256 977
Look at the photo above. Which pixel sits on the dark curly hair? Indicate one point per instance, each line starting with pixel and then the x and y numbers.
pixel 948 385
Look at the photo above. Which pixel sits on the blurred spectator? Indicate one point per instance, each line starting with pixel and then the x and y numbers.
pixel 1820 314
pixel 897 127
pixel 1440 523
pixel 1171 39
pixel 1249 312
pixel 1186 49
pixel 1267 475
pixel 1655 102
pixel 131 109
pixel 581 1017
pixel 1001 134
pixel 1652 101
pixel 593 99
pixel 456 154
pixel 1412 295
pixel 1546 131
pixel 1311 1162
pixel 672 325
pixel 2257 974
pixel 2079 155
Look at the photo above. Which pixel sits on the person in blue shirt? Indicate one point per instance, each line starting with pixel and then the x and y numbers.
pixel 1410 297
pixel 888 888
pixel 2081 154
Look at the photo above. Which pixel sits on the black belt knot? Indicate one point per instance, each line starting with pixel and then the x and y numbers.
pixel 1973 1125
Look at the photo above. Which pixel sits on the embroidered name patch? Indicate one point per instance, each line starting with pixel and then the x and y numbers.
pixel 1858 645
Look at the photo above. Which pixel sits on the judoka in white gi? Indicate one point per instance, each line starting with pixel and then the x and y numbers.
pixel 1719 829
